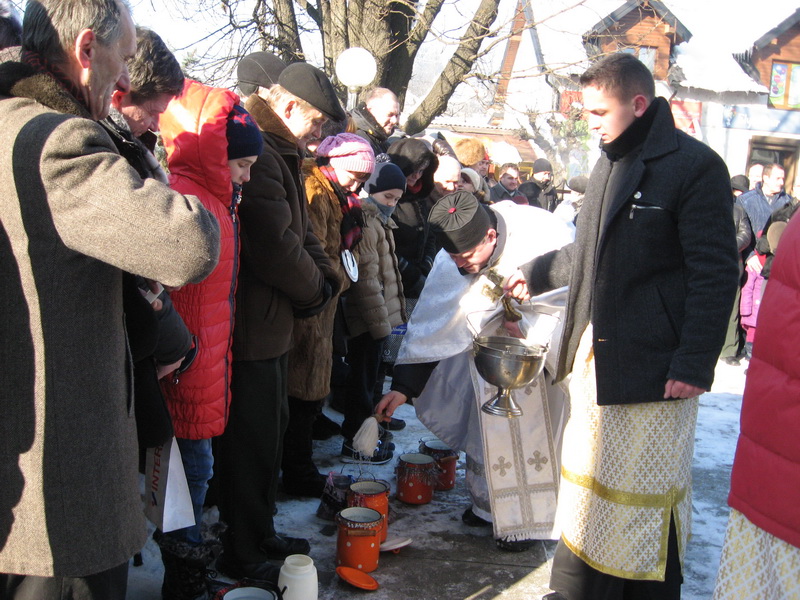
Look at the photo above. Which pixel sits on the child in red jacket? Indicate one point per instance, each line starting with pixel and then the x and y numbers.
pixel 211 143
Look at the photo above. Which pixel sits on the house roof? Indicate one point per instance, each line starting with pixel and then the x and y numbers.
pixel 658 7
pixel 778 30
pixel 702 66
pixel 705 61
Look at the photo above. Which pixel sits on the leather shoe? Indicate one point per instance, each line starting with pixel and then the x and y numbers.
pixel 279 547
pixel 515 546
pixel 394 424
pixel 472 520
pixel 234 569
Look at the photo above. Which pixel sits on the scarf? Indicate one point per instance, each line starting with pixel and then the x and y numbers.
pixel 634 135
pixel 385 211
pixel 415 189
pixel 352 215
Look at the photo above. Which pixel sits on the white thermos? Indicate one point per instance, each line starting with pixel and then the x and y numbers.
pixel 299 576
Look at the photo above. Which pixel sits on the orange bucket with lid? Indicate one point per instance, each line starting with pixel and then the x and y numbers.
pixel 358 544
pixel 416 475
pixel 374 495
pixel 445 459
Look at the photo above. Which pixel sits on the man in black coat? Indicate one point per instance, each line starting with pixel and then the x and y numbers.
pixel 284 273
pixel 540 190
pixel 377 118
pixel 652 275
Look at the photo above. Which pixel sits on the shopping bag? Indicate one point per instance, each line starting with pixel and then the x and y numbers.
pixel 334 495
pixel 168 503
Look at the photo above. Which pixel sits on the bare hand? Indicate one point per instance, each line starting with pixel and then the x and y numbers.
pixel 678 389
pixel 388 404
pixel 152 296
pixel 517 287
pixel 164 370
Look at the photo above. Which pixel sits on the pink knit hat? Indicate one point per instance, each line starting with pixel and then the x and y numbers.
pixel 349 152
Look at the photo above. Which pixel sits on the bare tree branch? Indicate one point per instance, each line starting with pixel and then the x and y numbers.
pixel 456 69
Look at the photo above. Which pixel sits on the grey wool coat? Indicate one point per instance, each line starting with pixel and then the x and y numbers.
pixel 657 279
pixel 74 216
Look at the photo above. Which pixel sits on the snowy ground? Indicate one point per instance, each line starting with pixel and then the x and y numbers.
pixel 448 561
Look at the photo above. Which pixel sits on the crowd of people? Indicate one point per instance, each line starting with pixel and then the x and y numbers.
pixel 268 263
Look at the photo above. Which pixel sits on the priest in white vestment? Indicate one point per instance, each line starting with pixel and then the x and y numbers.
pixel 512 463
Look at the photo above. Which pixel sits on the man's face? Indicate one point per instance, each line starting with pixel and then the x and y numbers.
pixel 510 180
pixel 481 167
pixel 143 117
pixel 608 115
pixel 543 176
pixel 104 68
pixel 773 183
pixel 446 177
pixel 754 175
pixel 386 111
pixel 305 123
pixel 476 259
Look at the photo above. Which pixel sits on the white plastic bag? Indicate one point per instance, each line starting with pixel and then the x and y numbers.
pixel 168 503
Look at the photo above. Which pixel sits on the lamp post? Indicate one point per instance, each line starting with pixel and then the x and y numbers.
pixel 355 69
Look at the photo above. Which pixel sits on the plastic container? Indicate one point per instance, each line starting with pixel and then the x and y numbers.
pixel 299 576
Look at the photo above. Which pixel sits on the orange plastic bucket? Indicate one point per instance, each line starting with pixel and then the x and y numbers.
pixel 374 495
pixel 358 544
pixel 416 476
pixel 446 461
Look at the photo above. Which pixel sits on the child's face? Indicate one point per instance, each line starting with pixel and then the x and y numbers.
pixel 388 197
pixel 350 180
pixel 240 168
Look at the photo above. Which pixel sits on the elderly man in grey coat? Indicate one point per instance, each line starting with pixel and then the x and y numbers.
pixel 74 216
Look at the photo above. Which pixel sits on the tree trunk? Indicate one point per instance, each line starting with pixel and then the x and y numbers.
pixel 456 69
pixel 290 49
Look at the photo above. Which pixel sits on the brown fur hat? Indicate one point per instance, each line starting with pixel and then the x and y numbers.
pixel 469 151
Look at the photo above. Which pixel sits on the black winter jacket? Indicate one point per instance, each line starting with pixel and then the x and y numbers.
pixel 658 280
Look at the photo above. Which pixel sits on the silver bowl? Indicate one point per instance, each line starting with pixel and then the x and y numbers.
pixel 509 364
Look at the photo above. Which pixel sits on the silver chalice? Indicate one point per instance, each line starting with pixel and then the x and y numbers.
pixel 509 364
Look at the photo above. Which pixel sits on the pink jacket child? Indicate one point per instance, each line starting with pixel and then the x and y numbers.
pixel 752 292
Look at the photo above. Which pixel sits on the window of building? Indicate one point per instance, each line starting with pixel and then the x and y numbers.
pixel 646 54
pixel 784 85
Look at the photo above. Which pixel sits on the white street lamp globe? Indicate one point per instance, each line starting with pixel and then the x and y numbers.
pixel 356 68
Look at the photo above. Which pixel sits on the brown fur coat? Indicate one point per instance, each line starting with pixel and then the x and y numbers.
pixel 311 355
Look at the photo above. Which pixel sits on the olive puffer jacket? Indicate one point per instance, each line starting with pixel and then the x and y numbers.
pixel 375 302
pixel 194 132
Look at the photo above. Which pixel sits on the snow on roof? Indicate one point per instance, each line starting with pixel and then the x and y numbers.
pixel 706 60
pixel 560 28
pixel 733 29
pixel 704 65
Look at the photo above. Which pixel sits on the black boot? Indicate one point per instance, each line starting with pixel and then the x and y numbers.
pixel 185 567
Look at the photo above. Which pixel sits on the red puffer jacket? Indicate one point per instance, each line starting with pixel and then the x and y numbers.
pixel 765 483
pixel 194 134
